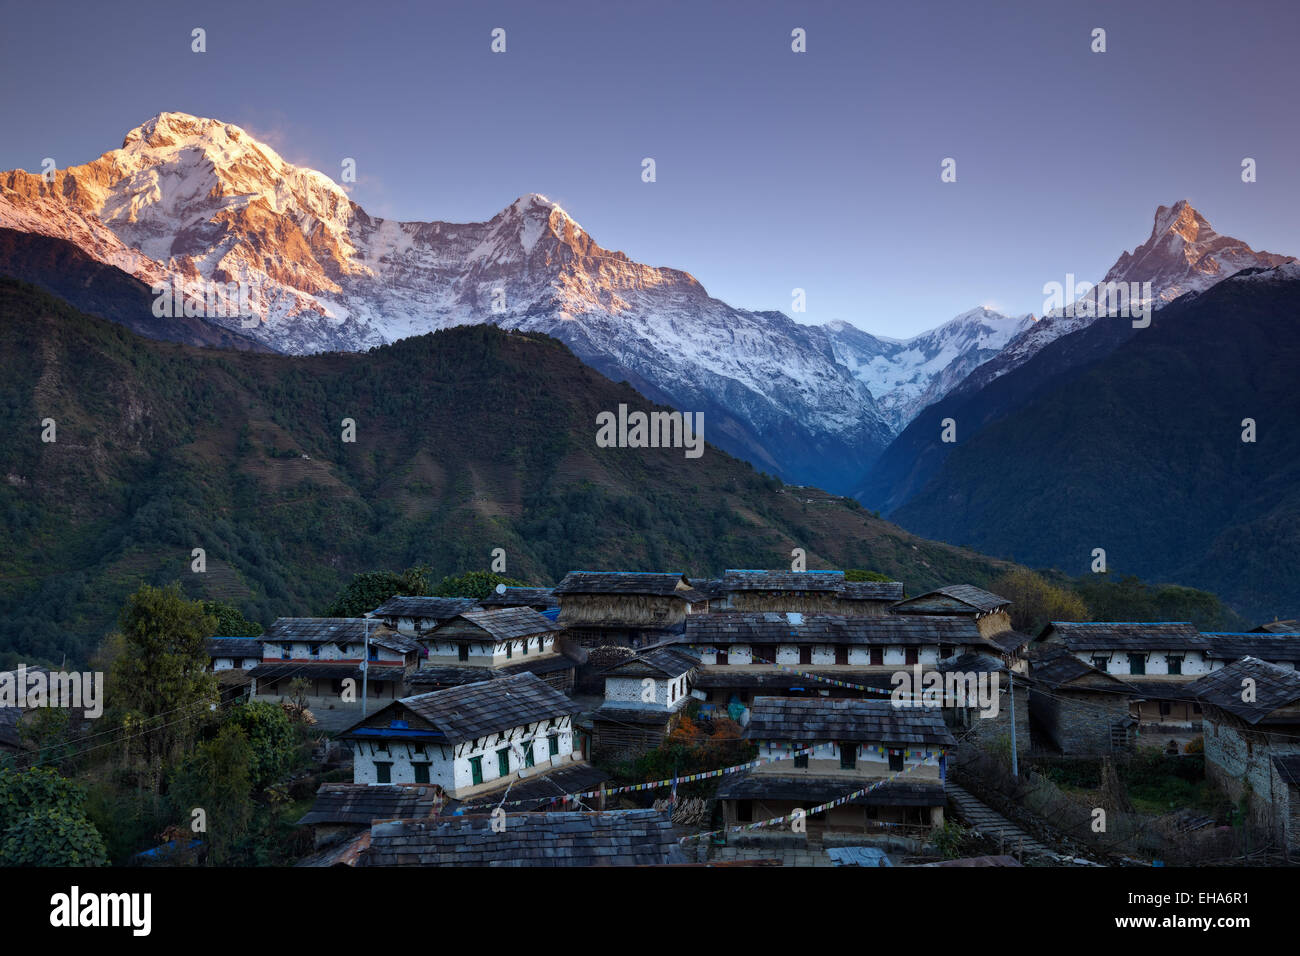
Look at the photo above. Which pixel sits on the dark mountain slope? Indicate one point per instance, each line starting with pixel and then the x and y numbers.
pixel 466 440
pixel 60 267
pixel 1140 453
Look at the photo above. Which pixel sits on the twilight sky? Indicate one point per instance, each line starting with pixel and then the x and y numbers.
pixel 775 170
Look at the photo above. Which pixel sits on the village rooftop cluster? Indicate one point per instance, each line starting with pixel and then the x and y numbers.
pixel 481 723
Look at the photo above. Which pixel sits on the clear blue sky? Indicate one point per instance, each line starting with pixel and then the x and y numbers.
pixel 775 170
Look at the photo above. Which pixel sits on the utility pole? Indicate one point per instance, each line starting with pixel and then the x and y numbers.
pixel 1015 760
pixel 365 675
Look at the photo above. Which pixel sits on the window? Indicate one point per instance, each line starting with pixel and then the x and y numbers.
pixel 805 655
pixel 801 761
pixel 1175 665
pixel 553 744
pixel 1166 708
pixel 476 769
pixel 509 647
pixel 417 749
pixel 529 759
pixel 1137 663
pixel 503 762
pixel 910 655
pixel 877 657
pixel 286 651
pixel 383 773
pixel 1101 662
pixel 744 811
pixel 722 655
pixel 315 650
pixel 848 755
pixel 841 655
pixel 421 772
pixel 462 652
pixel 896 760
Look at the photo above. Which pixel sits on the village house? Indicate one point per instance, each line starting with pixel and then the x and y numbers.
pixel 628 608
pixel 989 611
pixel 343 810
pixel 1277 647
pixel 1252 741
pixel 857 743
pixel 645 696
pixel 611 838
pixel 1155 660
pixel 1083 711
pixel 328 653
pixel 468 739
pixel 807 592
pixel 415 615
pixel 484 643
pixel 747 654
pixel 232 659
pixel 1288 627
pixel 971 718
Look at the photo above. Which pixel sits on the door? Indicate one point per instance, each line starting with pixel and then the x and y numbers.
pixel 503 762
pixel 476 769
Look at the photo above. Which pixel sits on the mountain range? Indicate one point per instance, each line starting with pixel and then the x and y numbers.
pixel 196 199
pixel 161 448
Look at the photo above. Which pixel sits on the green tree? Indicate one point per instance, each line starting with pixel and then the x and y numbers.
pixel 368 590
pixel 474 584
pixel 43 821
pixel 231 621
pixel 271 738
pixel 218 780
pixel 1035 601
pixel 159 681
pixel 52 837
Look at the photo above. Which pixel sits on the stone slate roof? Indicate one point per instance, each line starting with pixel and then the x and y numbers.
pixel 971 662
pixel 743 580
pixel 507 623
pixel 1288 768
pixel 614 838
pixel 538 791
pixel 1126 635
pixel 1054 666
pixel 710 588
pixel 770 627
pixel 1276 646
pixel 1275 687
pixel 521 597
pixel 1279 627
pixel 451 675
pixel 811 719
pixel 402 643
pixel 667 661
pixel 424 608
pixel 235 647
pixel 317 630
pixel 814 790
pixel 473 710
pixel 363 804
pixel 662 584
pixel 976 598
pixel 328 670
pixel 628 712
pixel 872 591
pixel 758 677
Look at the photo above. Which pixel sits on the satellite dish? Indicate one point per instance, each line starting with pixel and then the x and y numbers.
pixel 501 589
